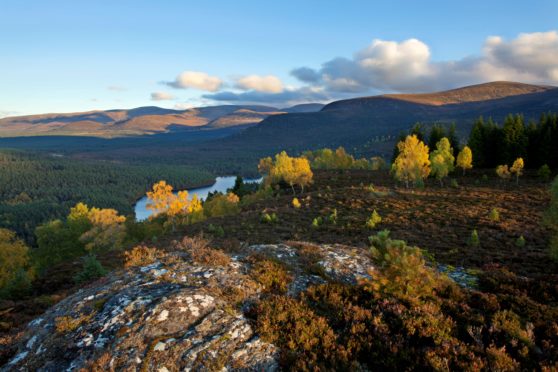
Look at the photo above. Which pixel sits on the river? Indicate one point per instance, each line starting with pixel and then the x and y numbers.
pixel 221 184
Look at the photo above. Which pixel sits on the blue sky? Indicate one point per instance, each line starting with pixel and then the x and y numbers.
pixel 64 56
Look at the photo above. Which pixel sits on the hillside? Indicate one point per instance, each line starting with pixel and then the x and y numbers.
pixel 371 121
pixel 138 121
pixel 238 292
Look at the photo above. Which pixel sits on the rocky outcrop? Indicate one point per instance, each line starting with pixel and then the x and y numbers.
pixel 174 314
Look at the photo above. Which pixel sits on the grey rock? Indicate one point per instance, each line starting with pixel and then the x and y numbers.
pixel 171 315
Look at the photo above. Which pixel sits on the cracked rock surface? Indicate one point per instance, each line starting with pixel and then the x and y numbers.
pixel 171 315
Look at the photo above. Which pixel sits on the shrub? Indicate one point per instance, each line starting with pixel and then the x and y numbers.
pixel 19 285
pixel 377 163
pixel 269 218
pixel 271 275
pixel 200 252
pixel 296 203
pixel 92 269
pixel 14 264
pixel 402 269
pixel 317 222
pixel 140 256
pixel 453 183
pixel 544 172
pixel 332 218
pixel 222 205
pixel 305 338
pixel 507 322
pixel 520 242
pixel 494 215
pixel 474 240
pixel 216 230
pixel 265 192
pixel 373 220
pixel 503 172
pixel 499 360
pixel 210 257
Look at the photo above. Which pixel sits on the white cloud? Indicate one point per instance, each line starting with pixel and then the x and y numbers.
pixel 161 96
pixel 196 80
pixel 262 84
pixel 287 97
pixel 387 66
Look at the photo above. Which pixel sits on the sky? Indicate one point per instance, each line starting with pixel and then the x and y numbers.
pixel 69 56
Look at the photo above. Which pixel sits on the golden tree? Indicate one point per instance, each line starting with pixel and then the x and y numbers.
pixel 293 171
pixel 176 206
pixel 302 174
pixel 517 168
pixel 465 159
pixel 441 160
pixel 160 198
pixel 107 230
pixel 412 163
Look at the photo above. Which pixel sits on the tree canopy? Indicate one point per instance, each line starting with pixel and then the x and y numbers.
pixel 412 164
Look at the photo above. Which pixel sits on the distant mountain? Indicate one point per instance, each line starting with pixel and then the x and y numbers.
pixel 379 119
pixel 305 107
pixel 138 121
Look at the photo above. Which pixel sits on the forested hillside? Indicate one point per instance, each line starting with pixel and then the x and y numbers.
pixel 37 187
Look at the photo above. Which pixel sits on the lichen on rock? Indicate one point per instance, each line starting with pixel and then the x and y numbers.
pixel 172 314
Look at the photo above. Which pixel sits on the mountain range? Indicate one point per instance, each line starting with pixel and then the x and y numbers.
pixel 142 120
pixel 374 122
pixel 370 124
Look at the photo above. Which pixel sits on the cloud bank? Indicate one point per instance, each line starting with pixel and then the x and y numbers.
pixel 407 66
pixel 196 80
pixel 263 84
pixel 387 66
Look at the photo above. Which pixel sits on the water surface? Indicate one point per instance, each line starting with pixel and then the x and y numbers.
pixel 221 184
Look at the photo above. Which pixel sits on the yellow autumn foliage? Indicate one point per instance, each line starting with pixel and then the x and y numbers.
pixel 465 159
pixel 412 164
pixel 291 170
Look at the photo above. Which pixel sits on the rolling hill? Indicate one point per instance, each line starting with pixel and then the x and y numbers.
pixel 366 125
pixel 140 121
pixel 358 122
